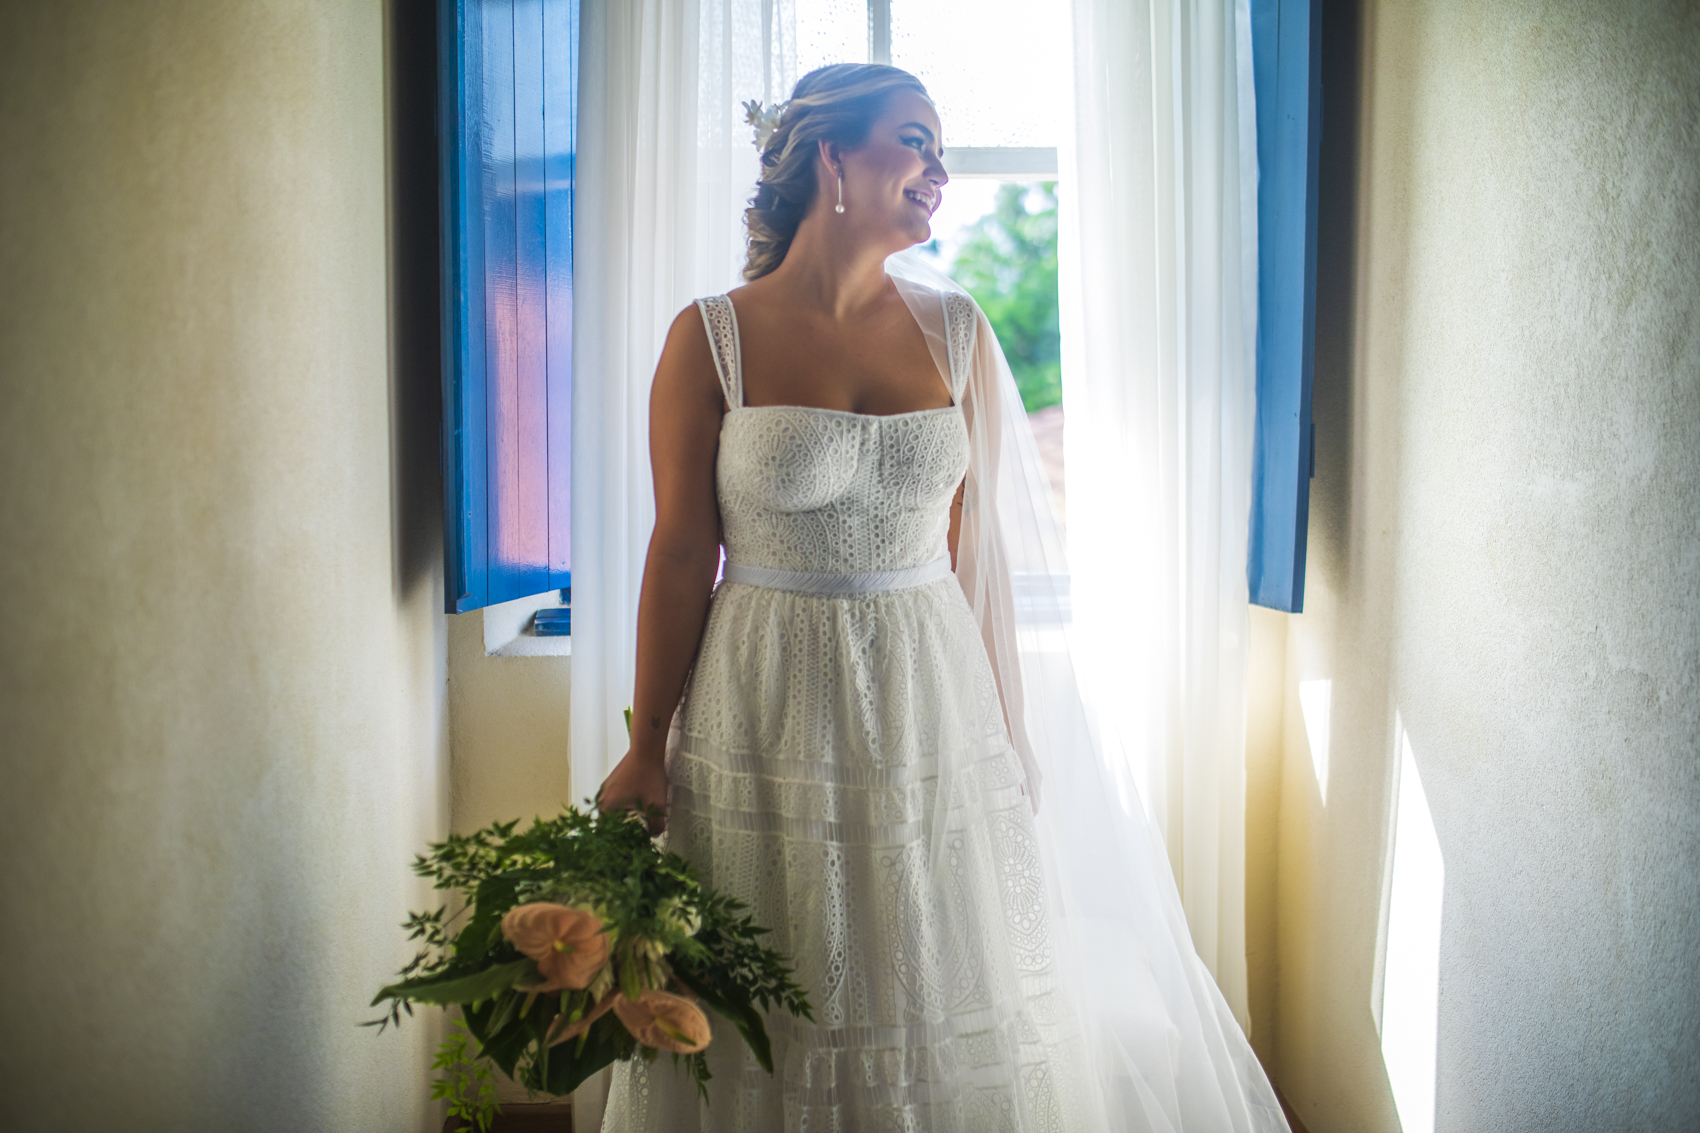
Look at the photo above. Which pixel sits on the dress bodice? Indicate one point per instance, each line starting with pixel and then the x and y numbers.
pixel 805 489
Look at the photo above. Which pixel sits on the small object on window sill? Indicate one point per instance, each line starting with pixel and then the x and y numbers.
pixel 509 628
pixel 553 622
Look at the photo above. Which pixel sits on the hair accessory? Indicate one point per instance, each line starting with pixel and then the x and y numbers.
pixel 765 120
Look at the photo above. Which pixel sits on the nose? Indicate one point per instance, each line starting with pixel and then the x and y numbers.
pixel 935 172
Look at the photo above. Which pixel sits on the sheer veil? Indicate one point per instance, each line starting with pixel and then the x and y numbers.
pixel 1164 1051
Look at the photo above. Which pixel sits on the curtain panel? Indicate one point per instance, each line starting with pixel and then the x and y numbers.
pixel 666 167
pixel 1158 251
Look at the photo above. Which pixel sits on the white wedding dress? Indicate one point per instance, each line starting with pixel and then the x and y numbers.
pixel 843 763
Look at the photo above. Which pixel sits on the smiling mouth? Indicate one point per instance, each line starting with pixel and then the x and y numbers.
pixel 925 200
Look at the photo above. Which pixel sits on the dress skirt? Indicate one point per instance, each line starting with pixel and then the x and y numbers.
pixel 842 766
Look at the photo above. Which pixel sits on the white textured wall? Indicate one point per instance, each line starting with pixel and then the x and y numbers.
pixel 1505 553
pixel 510 718
pixel 222 730
pixel 509 740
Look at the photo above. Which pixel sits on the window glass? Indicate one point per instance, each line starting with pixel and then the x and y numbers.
pixel 996 68
pixel 831 31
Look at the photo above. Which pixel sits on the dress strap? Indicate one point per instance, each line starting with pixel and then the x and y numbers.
pixel 722 323
pixel 960 328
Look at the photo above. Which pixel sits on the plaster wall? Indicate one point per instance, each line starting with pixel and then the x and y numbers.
pixel 222 708
pixel 510 717
pixel 1266 672
pixel 1504 560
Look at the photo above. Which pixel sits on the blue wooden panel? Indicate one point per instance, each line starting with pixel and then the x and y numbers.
pixel 509 73
pixel 465 475
pixel 560 129
pixel 1286 66
pixel 501 299
pixel 524 550
pixel 553 623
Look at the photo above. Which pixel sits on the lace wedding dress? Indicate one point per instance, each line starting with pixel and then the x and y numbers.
pixel 842 761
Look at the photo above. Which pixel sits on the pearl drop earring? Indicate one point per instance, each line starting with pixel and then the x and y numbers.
pixel 840 207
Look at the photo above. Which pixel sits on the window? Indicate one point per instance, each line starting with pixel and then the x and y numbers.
pixel 508 84
pixel 1286 62
pixel 508 89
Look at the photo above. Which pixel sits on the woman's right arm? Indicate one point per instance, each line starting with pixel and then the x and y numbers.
pixel 685 406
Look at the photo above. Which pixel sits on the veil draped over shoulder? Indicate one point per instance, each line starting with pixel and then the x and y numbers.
pixel 1163 1050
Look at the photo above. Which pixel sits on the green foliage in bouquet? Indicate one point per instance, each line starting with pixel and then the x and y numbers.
pixel 582 942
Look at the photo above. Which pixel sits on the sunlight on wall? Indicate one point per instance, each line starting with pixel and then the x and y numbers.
pixel 1314 701
pixel 1410 996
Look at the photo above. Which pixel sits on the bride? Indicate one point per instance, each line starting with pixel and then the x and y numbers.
pixel 854 730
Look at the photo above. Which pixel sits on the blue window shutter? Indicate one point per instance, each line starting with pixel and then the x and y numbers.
pixel 508 89
pixel 1286 66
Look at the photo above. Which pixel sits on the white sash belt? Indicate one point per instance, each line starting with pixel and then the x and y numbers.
pixel 820 582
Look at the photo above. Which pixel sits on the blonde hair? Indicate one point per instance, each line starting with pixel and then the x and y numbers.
pixel 835 104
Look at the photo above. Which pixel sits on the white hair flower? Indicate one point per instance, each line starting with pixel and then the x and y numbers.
pixel 765 120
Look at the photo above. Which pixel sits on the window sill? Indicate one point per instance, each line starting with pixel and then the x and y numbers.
pixel 508 628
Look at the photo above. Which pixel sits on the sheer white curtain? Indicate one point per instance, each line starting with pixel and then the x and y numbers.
pixel 1159 325
pixel 665 168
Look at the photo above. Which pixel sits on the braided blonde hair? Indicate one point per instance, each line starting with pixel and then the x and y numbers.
pixel 836 104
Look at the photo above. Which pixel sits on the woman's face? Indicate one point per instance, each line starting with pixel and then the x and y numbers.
pixel 892 180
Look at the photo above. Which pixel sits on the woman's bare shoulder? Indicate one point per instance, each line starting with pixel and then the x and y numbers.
pixel 686 367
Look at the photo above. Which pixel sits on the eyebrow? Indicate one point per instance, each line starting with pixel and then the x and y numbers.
pixel 923 130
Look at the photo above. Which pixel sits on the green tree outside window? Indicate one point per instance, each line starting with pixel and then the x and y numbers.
pixel 1009 264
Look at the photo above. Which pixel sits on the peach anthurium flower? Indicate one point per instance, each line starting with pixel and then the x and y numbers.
pixel 559 1033
pixel 568 944
pixel 663 1020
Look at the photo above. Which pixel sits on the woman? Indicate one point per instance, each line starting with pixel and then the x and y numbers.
pixel 850 754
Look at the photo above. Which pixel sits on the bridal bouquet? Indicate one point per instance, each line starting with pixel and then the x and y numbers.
pixel 583 943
